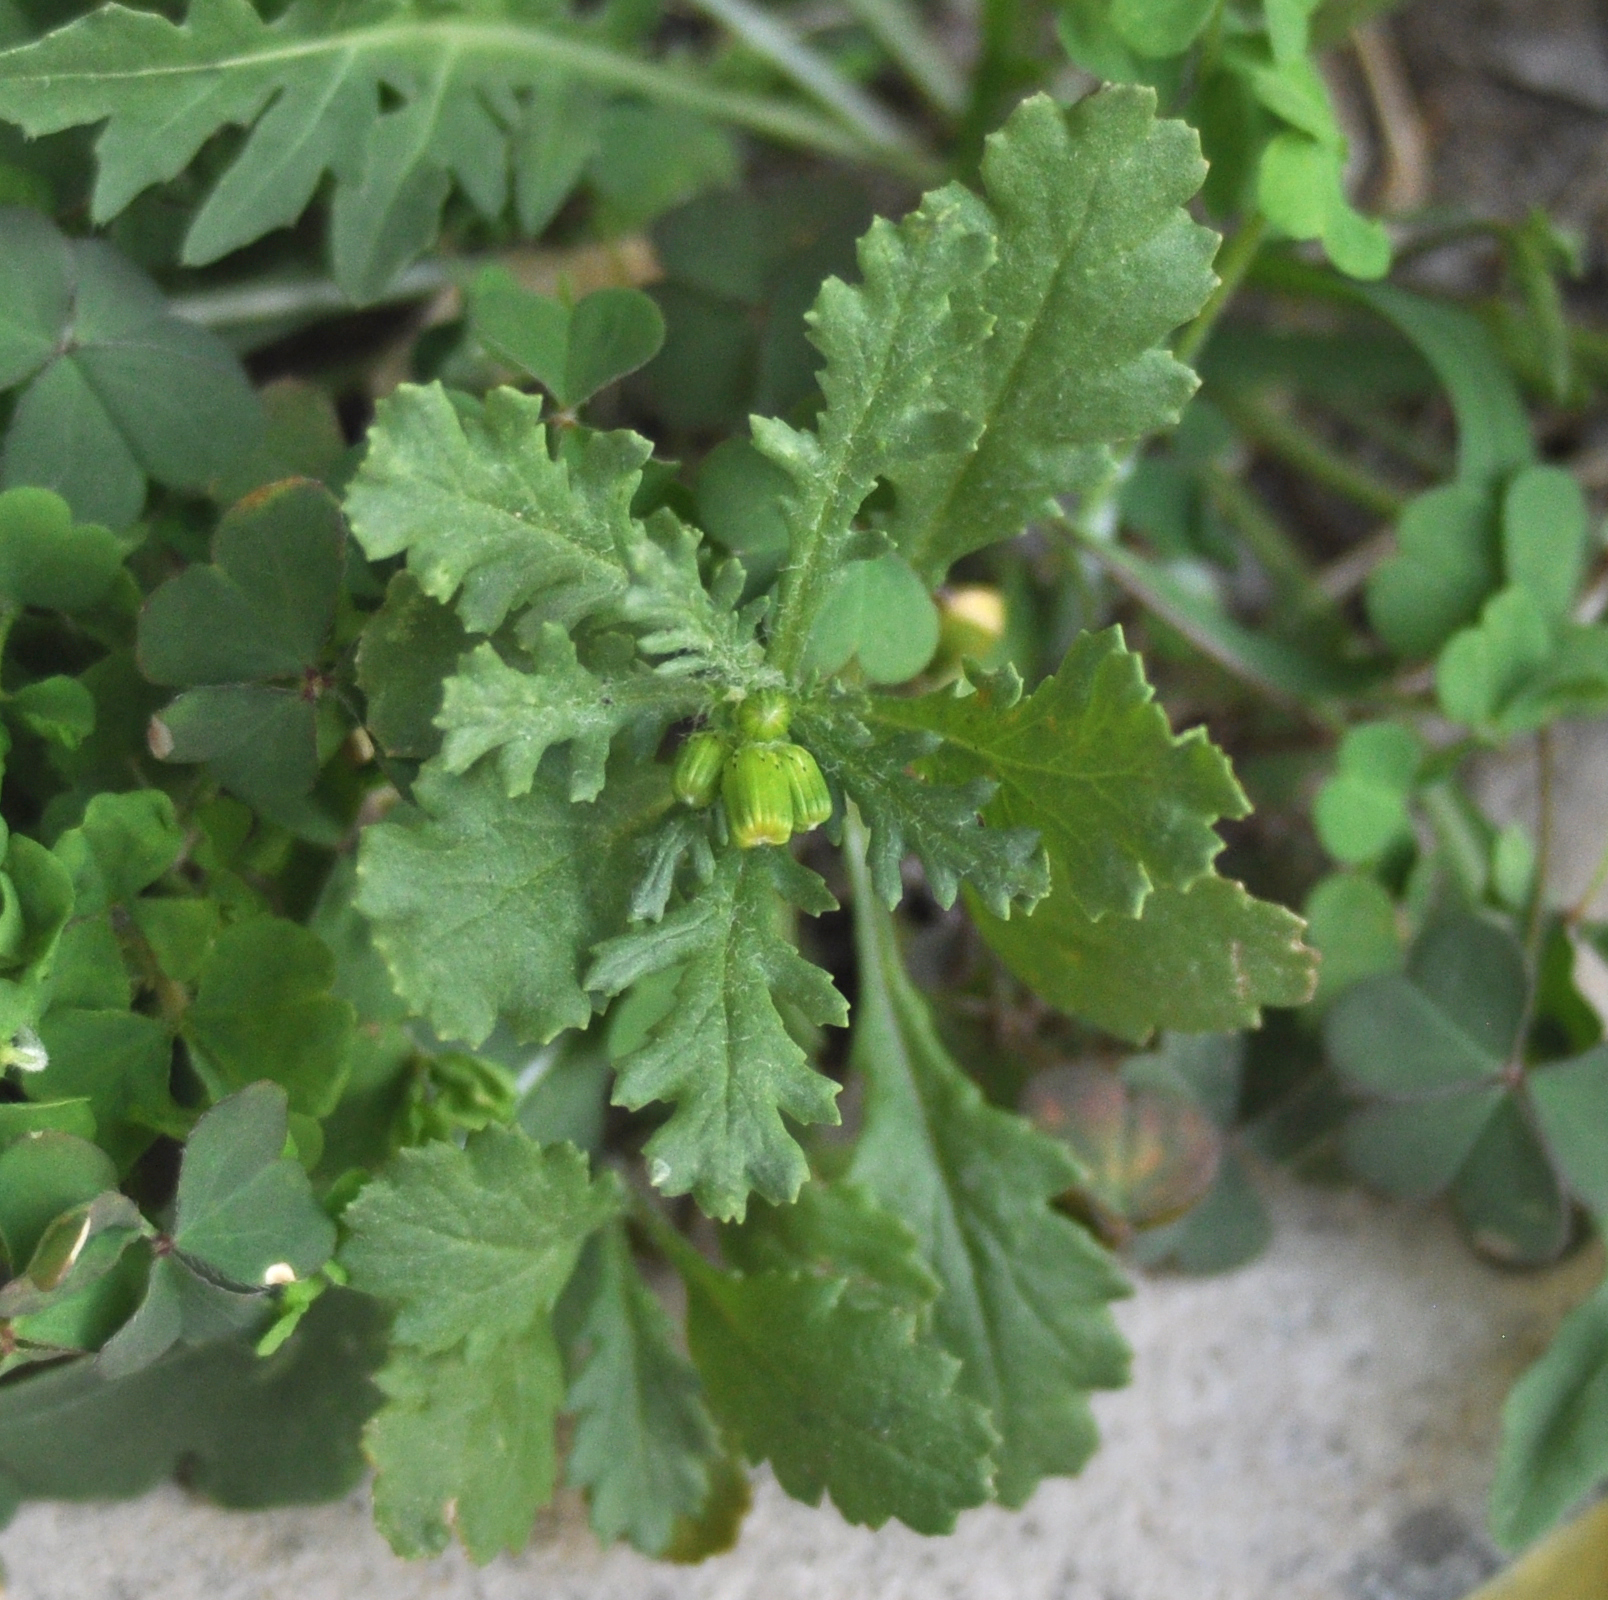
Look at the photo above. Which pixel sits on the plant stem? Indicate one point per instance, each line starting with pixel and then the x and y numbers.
pixel 811 71
pixel 1283 562
pixel 1235 258
pixel 1298 447
pixel 898 28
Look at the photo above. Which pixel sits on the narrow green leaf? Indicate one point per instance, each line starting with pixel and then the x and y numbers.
pixel 723 1056
pixel 1554 1446
pixel 885 343
pixel 1025 1287
pixel 644 1443
pixel 1097 262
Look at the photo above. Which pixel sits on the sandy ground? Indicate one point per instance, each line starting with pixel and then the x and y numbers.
pixel 1317 1426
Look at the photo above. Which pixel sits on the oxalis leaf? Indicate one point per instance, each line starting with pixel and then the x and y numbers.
pixel 940 822
pixel 484 906
pixel 1088 761
pixel 473 1246
pixel 724 1056
pixel 1024 1287
pixel 1097 262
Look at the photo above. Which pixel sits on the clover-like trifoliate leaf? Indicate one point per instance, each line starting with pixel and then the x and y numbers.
pixel 940 822
pixel 47 559
pixel 477 1241
pixel 488 705
pixel 644 1444
pixel 117 388
pixel 1121 803
pixel 1361 811
pixel 572 351
pixel 1025 1289
pixel 485 906
pixel 263 1009
pixel 886 342
pixel 244 1209
pixel 474 1247
pixel 723 1056
pixel 1205 959
pixel 123 845
pixel 1097 262
pixel 409 648
pixel 246 637
pixel 1571 1103
pixel 487 516
pixel 839 1396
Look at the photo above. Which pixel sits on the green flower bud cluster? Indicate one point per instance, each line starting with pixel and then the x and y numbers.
pixel 771 787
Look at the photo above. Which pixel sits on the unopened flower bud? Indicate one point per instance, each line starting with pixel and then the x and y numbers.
pixel 696 778
pixel 812 800
pixel 757 787
pixel 765 714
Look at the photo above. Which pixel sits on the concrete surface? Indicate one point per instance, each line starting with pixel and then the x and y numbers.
pixel 1317 1426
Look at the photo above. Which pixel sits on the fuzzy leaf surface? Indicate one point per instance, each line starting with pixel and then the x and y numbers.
pixel 1122 804
pixel 940 822
pixel 723 1056
pixel 1097 262
pixel 488 705
pixel 1025 1289
pixel 477 1241
pixel 885 342
pixel 486 515
pixel 485 906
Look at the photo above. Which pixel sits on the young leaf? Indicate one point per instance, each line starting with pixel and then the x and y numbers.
pixel 485 513
pixel 118 389
pixel 939 822
pixel 839 1396
pixel 1554 1445
pixel 884 342
pixel 1200 960
pixel 644 1444
pixel 488 705
pixel 1121 803
pixel 1097 262
pixel 1024 1287
pixel 485 907
pixel 724 1056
